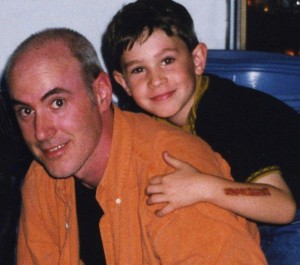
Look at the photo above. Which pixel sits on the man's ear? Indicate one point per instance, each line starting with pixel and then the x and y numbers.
pixel 119 78
pixel 103 91
pixel 199 56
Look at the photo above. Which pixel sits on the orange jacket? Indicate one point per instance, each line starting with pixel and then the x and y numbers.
pixel 130 231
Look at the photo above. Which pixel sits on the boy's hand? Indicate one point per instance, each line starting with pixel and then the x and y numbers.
pixel 179 188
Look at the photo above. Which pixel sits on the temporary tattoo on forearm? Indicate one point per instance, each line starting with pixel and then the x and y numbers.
pixel 248 192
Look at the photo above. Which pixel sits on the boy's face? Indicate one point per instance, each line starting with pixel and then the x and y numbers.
pixel 159 74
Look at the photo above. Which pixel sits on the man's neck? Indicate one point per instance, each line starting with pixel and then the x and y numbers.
pixel 97 164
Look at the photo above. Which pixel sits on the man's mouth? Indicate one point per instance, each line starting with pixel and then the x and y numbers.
pixel 56 148
pixel 55 151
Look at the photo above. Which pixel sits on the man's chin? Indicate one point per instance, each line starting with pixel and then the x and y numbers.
pixel 57 170
pixel 58 174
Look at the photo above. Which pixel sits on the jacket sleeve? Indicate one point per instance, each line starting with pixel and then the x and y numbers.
pixel 23 253
pixel 205 234
pixel 37 240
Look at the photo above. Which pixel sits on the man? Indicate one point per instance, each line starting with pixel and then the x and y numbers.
pixel 92 157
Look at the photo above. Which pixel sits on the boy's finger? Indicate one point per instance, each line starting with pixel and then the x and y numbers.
pixel 151 189
pixel 172 161
pixel 155 180
pixel 164 211
pixel 156 198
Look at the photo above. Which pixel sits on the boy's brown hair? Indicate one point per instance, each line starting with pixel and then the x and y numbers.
pixel 134 20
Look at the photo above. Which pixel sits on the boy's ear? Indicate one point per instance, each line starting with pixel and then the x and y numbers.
pixel 103 91
pixel 119 78
pixel 199 56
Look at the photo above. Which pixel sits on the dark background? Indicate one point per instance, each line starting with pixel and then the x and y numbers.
pixel 273 25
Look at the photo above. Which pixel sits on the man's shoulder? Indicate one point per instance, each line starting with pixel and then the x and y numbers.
pixel 144 126
pixel 149 138
pixel 149 130
pixel 218 229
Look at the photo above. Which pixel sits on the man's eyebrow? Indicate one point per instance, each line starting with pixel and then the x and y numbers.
pixel 16 102
pixel 56 90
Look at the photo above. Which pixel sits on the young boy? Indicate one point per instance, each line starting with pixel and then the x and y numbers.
pixel 151 50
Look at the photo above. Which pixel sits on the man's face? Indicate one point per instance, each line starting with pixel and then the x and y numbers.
pixel 159 74
pixel 59 123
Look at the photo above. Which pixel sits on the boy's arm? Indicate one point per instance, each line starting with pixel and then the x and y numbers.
pixel 201 233
pixel 267 200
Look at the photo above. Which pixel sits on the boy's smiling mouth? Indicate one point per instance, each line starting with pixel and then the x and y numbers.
pixel 163 96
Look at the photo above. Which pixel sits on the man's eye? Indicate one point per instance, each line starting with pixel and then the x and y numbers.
pixel 168 60
pixel 58 103
pixel 24 112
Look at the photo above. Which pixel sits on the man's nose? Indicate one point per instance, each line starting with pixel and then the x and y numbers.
pixel 44 127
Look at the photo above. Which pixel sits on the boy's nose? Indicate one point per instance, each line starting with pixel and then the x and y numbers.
pixel 156 78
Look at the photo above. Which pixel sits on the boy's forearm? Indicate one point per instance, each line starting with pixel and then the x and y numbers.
pixel 256 201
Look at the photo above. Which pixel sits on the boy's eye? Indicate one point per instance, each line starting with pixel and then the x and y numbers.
pixel 57 103
pixel 137 70
pixel 168 60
